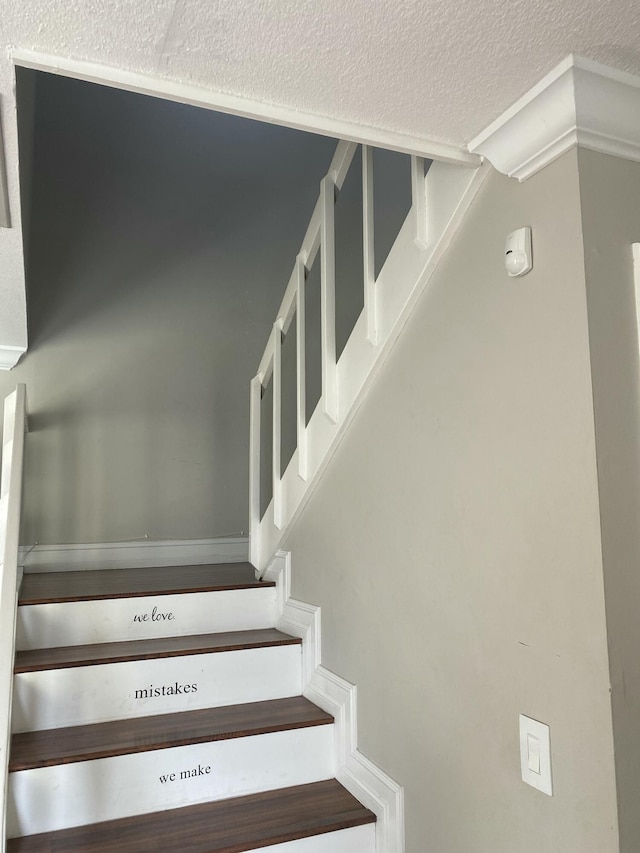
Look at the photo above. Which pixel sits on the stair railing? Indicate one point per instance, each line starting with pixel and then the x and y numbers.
pixel 440 196
pixel 15 424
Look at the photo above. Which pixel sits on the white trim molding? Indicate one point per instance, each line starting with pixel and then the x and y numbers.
pixel 404 276
pixel 9 356
pixel 134 555
pixel 581 103
pixel 187 93
pixel 367 782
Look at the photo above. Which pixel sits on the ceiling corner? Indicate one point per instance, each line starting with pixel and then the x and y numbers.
pixel 579 102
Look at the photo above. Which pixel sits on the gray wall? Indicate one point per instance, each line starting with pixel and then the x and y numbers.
pixel 610 189
pixel 454 544
pixel 162 238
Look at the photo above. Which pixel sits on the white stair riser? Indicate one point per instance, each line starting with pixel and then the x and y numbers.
pixel 73 623
pixel 90 694
pixel 103 789
pixel 358 839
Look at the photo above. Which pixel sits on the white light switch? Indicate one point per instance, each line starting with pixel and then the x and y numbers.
pixel 535 754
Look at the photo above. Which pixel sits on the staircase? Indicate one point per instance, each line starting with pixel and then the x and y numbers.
pixel 138 729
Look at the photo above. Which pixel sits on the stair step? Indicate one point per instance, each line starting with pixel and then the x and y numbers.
pixel 121 737
pixel 237 825
pixel 52 587
pixel 37 660
pixel 85 775
pixel 76 608
pixel 77 685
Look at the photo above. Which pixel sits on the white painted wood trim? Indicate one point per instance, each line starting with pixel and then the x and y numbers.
pixel 368 246
pixel 122 555
pixel 635 249
pixel 288 306
pixel 295 617
pixel 364 779
pixel 341 162
pixel 15 414
pixel 328 301
pixel 320 235
pixel 266 365
pixel 9 356
pixel 187 93
pixel 254 466
pixel 276 478
pixel 419 200
pixel 579 102
pixel 367 782
pixel 338 169
pixel 301 367
pixel 406 272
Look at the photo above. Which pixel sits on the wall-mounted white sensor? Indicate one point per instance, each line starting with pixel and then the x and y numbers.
pixel 517 252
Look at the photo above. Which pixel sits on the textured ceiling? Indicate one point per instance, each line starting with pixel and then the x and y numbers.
pixel 432 69
pixel 426 67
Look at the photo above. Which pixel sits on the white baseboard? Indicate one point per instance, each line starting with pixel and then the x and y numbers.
pixel 364 779
pixel 124 555
pixel 338 697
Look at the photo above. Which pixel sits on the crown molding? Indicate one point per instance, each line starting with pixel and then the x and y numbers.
pixel 200 96
pixel 9 356
pixel 581 103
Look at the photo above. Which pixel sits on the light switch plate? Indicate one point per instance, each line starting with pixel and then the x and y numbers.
pixel 535 752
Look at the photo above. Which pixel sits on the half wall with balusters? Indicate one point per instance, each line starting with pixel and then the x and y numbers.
pixel 439 195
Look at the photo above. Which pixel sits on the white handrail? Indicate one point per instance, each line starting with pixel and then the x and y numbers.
pixel 15 420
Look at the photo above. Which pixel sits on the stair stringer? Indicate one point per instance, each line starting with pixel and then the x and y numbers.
pixel 360 776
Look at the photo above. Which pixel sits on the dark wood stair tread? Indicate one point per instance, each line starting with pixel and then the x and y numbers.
pixel 225 826
pixel 121 737
pixel 33 660
pixel 53 587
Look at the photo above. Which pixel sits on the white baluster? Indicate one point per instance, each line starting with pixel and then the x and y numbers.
pixel 370 300
pixel 301 367
pixel 419 200
pixel 635 248
pixel 276 475
pixel 254 469
pixel 328 301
